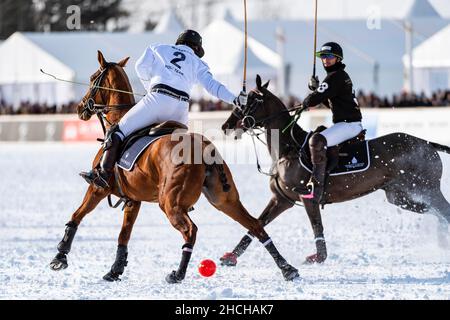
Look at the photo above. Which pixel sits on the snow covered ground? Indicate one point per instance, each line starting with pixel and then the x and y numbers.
pixel 376 251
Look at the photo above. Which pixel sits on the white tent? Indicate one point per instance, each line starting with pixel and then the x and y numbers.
pixel 73 56
pixel 224 53
pixel 68 55
pixel 169 23
pixel 330 9
pixel 420 11
pixel 364 48
pixel 431 62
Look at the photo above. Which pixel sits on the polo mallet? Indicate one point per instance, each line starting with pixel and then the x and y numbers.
pixel 315 39
pixel 90 86
pixel 244 81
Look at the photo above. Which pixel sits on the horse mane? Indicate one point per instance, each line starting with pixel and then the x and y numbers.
pixel 298 130
pixel 274 97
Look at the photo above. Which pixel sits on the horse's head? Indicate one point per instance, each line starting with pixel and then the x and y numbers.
pixel 109 75
pixel 254 113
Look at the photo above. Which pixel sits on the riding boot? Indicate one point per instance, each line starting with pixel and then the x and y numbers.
pixel 317 182
pixel 100 177
pixel 316 185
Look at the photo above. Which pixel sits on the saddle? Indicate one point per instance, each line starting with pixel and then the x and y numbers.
pixel 333 153
pixel 154 130
pixel 135 144
pixel 347 157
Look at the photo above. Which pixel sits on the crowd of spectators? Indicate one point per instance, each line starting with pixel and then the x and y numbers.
pixel 438 98
pixel 26 107
pixel 366 100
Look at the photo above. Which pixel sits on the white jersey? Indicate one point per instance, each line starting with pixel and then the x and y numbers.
pixel 178 66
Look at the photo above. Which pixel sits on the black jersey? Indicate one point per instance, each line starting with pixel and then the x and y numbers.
pixel 336 92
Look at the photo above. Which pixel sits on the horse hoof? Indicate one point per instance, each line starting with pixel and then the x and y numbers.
pixel 229 259
pixel 59 262
pixel 172 278
pixel 314 258
pixel 111 277
pixel 290 273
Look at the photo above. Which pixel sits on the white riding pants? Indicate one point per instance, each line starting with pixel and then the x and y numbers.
pixel 341 131
pixel 154 108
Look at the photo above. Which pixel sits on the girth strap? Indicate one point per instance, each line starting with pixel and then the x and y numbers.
pixel 127 202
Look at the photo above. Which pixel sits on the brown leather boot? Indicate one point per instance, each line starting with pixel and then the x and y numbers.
pixel 100 176
pixel 316 185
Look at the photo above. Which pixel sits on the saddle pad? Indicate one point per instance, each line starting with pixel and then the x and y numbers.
pixel 353 158
pixel 132 153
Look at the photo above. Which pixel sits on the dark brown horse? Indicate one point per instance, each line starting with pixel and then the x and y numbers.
pixel 175 186
pixel 407 168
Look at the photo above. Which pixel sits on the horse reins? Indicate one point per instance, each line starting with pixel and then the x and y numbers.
pixel 89 104
pixel 243 114
pixel 101 110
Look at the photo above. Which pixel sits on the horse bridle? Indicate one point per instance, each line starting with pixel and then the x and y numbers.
pixel 101 109
pixel 246 113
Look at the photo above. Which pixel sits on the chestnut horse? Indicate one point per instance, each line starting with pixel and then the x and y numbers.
pixel 407 168
pixel 176 187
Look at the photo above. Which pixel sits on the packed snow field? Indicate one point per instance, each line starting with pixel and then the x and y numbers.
pixel 376 251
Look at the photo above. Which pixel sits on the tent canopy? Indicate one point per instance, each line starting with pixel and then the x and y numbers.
pixel 169 23
pixel 421 9
pixel 224 53
pixel 363 47
pixel 67 55
pixel 70 55
pixel 224 50
pixel 336 10
pixel 433 53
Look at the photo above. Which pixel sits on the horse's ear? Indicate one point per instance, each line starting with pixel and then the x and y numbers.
pixel 123 62
pixel 258 81
pixel 265 85
pixel 101 59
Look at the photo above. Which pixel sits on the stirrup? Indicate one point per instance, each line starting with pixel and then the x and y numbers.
pixel 94 177
pixel 312 195
pixel 310 187
pixel 87 176
pixel 301 190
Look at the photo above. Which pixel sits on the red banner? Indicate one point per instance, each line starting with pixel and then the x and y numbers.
pixel 78 130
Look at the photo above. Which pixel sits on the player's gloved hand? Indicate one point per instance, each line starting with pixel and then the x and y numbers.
pixel 241 99
pixel 313 83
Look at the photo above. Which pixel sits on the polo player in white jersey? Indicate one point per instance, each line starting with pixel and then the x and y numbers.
pixel 168 72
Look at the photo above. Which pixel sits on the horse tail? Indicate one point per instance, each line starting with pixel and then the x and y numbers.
pixel 218 165
pixel 221 171
pixel 222 177
pixel 440 147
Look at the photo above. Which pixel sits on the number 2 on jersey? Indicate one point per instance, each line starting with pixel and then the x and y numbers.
pixel 175 61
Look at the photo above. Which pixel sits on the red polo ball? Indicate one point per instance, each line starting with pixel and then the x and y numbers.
pixel 207 268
